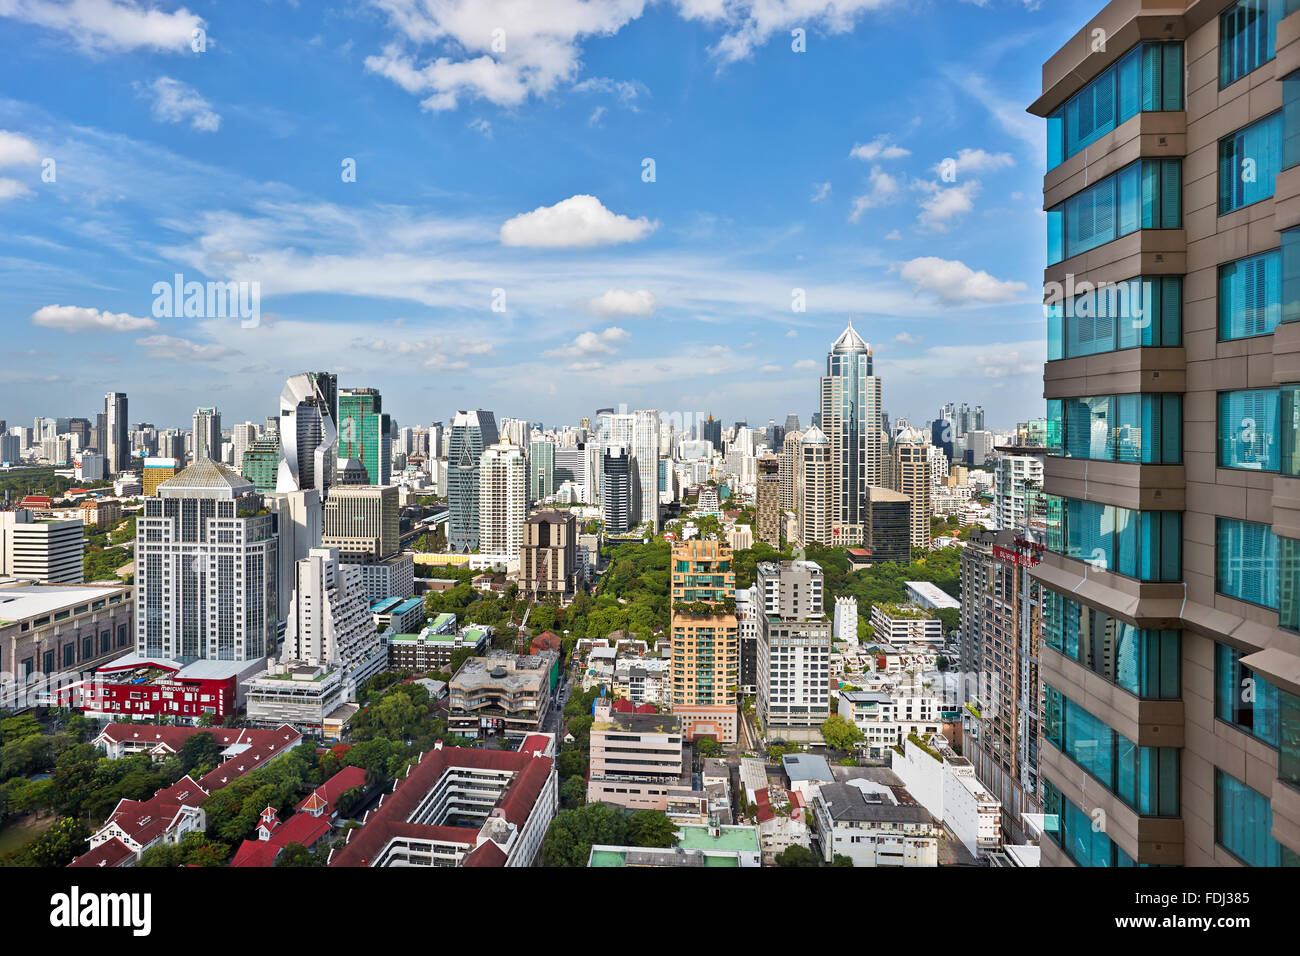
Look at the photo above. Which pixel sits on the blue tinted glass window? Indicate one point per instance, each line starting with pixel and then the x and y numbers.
pixel 1250 295
pixel 1249 161
pixel 1249 430
pixel 1246 561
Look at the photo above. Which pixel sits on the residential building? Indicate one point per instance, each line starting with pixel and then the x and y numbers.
pixel 502 694
pixel 911 476
pixel 794 644
pixel 747 615
pixel 548 559
pixel 471 433
pixel 870 829
pixel 616 500
pixel 433 647
pixel 42 550
pixel 767 502
pixel 503 501
pixel 116 443
pixel 636 759
pixel 704 640
pixel 814 489
pixel 845 630
pixel 945 784
pixel 207 434
pixel 541 463
pixel 851 418
pixel 698 845
pixel 905 624
pixel 1017 486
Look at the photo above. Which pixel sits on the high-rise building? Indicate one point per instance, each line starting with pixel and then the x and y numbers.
pixel 206 569
pixel 705 640
pixel 362 522
pixel 242 437
pixel 814 483
pixel 1017 487
pixel 158 470
pixel 911 476
pixel 207 434
pixel 851 398
pixel 548 560
pixel 645 453
pixel 787 464
pixel 503 500
pixel 889 530
pixel 794 646
pixel 1185 553
pixel 117 442
pixel 616 490
pixel 365 432
pixel 42 550
pixel 260 463
pixel 471 433
pixel 767 502
pixel 541 465
pixel 308 433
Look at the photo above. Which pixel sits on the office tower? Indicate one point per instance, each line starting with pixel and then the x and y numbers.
pixel 889 531
pixel 787 464
pixel 81 428
pixel 705 641
pixel 645 454
pixel 767 502
pixel 299 525
pixel 814 483
pixel 794 650
pixel 471 433
pixel 910 472
pixel 851 419
pixel 365 432
pixel 205 565
pixel 362 522
pixel 158 470
pixel 711 431
pixel 548 559
pixel 308 433
pixel 503 500
pixel 1017 486
pixel 1189 558
pixel 45 551
pixel 10 448
pixel 541 463
pixel 207 434
pixel 616 490
pixel 260 462
pixel 242 437
pixel 117 443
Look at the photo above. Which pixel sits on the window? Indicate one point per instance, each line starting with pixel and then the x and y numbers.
pixel 1072 830
pixel 1129 428
pixel 69 655
pixel 1146 663
pixel 1248 36
pixel 1242 699
pixel 1144 195
pixel 1249 161
pixel 1243 824
pixel 1148 78
pixel 1246 561
pixel 1250 296
pixel 1144 311
pixel 1146 545
pixel 1249 431
pixel 1145 778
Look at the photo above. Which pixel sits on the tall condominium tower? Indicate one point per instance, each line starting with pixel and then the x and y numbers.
pixel 617 480
pixel 207 434
pixel 645 452
pixel 910 474
pixel 365 432
pixel 541 464
pixel 767 502
pixel 851 419
pixel 117 439
pixel 786 466
pixel 794 650
pixel 308 433
pixel 1177 547
pixel 705 645
pixel 814 487
pixel 471 433
pixel 502 499
pixel 206 560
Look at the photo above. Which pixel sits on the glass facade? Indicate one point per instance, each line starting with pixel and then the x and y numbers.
pixel 1149 78
pixel 1246 561
pixel 1146 545
pixel 1144 311
pixel 1248 36
pixel 1147 194
pixel 1145 778
pixel 1242 699
pixel 1243 824
pixel 1145 429
pixel 1249 161
pixel 1146 663
pixel 1249 433
pixel 1250 295
pixel 1291 120
pixel 1073 831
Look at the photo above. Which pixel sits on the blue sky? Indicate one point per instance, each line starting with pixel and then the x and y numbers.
pixel 499 149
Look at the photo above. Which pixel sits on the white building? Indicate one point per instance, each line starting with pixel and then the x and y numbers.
pixel 905 625
pixel 945 785
pixel 870 829
pixel 1014 478
pixel 44 551
pixel 503 500
pixel 846 620
pixel 889 715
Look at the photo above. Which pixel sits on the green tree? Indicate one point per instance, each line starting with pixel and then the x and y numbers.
pixel 573 833
pixel 796 855
pixel 651 828
pixel 708 747
pixel 841 860
pixel 58 846
pixel 840 734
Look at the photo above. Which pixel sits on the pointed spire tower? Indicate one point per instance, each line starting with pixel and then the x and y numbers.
pixel 851 403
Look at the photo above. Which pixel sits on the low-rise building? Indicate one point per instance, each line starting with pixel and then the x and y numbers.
pixel 945 784
pixel 636 759
pixel 697 846
pixel 398 615
pixel 887 717
pixel 432 648
pixel 502 693
pixel 865 826
pixel 905 624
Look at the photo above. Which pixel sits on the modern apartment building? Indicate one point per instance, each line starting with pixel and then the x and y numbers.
pixel 794 647
pixel 767 502
pixel 705 640
pixel 1170 605
pixel 548 559
pixel 1017 487
pixel 471 433
pixel 618 478
pixel 207 434
pixel 814 488
pixel 503 500
pixel 116 444
pixel 636 759
pixel 910 473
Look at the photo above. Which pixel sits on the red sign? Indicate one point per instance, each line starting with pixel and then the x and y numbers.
pixel 1015 557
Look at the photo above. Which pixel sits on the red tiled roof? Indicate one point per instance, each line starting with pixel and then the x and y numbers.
pixel 109 853
pixel 646 709
pixel 392 817
pixel 256 853
pixel 547 641
pixel 621 705
pixel 486 853
pixel 173 738
pixel 327 794
pixel 146 820
pixel 265 747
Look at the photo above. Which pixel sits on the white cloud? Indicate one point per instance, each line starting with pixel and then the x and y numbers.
pixel 596 114
pixel 617 302
pixel 481 126
pixel 805 365
pixel 820 191
pixel 589 345
pixel 942 206
pixel 971 161
pixel 577 222
pixel 109 25
pixel 769 369
pixel 954 281
pixel 904 338
pixel 175 102
pixel 878 148
pixel 171 347
pixel 72 318
pixel 893 235
pixel 12 189
pixel 17 150
pixel 751 23
pixel 884 189
pixel 792 334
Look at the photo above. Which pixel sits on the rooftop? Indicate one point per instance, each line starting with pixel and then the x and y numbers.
pixel 33 600
pixel 735 839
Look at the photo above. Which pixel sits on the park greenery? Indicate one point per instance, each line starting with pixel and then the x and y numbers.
pixel 573 833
